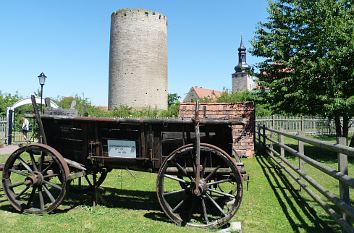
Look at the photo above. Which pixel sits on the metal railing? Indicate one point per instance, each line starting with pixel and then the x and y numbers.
pixel 270 139
pixel 3 125
pixel 310 125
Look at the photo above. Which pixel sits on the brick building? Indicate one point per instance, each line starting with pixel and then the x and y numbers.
pixel 243 136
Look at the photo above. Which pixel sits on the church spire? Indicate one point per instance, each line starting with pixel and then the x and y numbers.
pixel 241 45
pixel 242 64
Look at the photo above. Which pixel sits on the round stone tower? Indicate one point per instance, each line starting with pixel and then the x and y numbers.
pixel 138 59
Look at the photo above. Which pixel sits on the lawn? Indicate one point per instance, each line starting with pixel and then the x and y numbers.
pixel 128 203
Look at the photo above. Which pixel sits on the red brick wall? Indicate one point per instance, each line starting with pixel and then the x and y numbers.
pixel 243 135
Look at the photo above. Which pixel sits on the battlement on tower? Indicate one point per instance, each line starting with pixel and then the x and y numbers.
pixel 139 13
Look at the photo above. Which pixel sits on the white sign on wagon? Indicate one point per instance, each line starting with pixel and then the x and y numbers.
pixel 121 148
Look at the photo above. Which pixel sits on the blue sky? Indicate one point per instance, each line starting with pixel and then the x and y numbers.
pixel 68 40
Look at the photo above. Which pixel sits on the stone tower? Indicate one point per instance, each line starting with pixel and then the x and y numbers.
pixel 138 59
pixel 241 80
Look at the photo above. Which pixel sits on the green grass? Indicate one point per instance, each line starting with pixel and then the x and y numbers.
pixel 128 203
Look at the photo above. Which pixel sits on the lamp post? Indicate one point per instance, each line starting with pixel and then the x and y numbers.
pixel 41 79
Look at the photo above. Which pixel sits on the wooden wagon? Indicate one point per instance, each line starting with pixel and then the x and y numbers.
pixel 199 182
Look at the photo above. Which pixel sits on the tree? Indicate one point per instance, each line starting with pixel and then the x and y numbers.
pixel 308 49
pixel 7 100
pixel 173 98
pixel 261 107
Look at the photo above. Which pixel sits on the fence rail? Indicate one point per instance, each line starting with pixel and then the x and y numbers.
pixel 309 125
pixel 344 212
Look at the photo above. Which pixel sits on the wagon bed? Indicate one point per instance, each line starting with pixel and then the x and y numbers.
pixel 84 138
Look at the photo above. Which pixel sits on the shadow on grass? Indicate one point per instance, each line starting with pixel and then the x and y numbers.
pixel 106 196
pixel 297 211
pixel 121 198
pixel 117 198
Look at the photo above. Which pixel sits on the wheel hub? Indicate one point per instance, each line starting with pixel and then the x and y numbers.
pixel 201 188
pixel 35 179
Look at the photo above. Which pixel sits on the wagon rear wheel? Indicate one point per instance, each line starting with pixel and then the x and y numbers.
pixel 35 178
pixel 220 187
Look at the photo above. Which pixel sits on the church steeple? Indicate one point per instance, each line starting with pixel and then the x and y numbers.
pixel 242 64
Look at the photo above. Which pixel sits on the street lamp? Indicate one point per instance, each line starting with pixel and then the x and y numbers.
pixel 41 79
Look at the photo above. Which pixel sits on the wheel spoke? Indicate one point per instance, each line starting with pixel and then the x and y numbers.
pixel 46 169
pixel 193 163
pixel 88 181
pixel 205 211
pixel 175 178
pixel 178 205
pixel 174 192
pixel 184 171
pixel 30 199
pixel 219 182
pixel 215 204
pixel 204 166
pixel 53 185
pixel 52 199
pixel 41 200
pixel 222 193
pixel 41 160
pixel 33 161
pixel 50 176
pixel 25 164
pixel 22 192
pixel 22 173
pixel 191 208
pixel 212 173
pixel 17 184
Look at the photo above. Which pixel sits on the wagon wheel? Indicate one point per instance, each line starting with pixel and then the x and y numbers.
pixel 35 178
pixel 210 206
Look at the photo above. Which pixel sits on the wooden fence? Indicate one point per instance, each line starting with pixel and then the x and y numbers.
pixel 273 142
pixel 310 125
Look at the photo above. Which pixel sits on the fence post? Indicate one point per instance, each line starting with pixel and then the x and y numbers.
pixel 301 150
pixel 264 136
pixel 259 133
pixel 273 122
pixel 9 128
pixel 271 137
pixel 282 151
pixel 343 168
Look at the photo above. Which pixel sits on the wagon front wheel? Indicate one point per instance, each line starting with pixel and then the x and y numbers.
pixel 35 178
pixel 211 202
